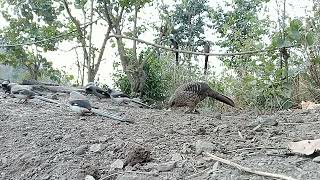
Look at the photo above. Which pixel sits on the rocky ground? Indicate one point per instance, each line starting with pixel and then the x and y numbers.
pixel 43 141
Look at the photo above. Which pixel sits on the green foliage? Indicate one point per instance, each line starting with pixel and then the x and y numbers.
pixel 37 66
pixel 157 82
pixel 240 29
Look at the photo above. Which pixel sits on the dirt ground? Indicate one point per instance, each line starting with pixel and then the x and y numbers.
pixel 44 141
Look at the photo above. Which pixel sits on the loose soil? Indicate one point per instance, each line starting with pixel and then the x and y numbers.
pixel 39 140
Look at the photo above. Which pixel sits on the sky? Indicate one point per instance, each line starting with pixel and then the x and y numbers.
pixel 65 58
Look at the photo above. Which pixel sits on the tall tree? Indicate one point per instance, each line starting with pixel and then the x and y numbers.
pixel 186 23
pixel 92 56
pixel 240 29
pixel 114 13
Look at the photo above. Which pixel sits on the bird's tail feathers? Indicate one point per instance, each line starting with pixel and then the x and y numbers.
pixel 221 98
pixel 138 102
pixel 46 99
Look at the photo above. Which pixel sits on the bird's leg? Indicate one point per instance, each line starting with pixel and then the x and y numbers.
pixel 192 108
pixel 196 111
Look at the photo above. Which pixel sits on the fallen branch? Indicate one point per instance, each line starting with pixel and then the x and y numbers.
pixel 314 122
pixel 255 148
pixel 261 173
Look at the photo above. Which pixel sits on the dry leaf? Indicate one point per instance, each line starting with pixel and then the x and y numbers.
pixel 306 147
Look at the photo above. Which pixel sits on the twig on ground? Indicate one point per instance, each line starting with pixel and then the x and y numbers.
pixel 240 135
pixel 261 173
pixel 299 123
pixel 257 127
pixel 255 148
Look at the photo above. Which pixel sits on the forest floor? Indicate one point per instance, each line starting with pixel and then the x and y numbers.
pixel 44 141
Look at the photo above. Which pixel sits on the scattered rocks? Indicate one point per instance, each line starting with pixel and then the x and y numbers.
pixel 203 146
pixel 118 164
pixel 96 148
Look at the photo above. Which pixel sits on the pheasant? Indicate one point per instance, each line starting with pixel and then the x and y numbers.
pixel 190 94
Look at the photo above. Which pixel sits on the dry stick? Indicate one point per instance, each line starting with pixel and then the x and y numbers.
pixel 315 122
pixel 261 173
pixel 255 148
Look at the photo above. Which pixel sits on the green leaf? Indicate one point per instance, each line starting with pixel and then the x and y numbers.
pixel 310 38
pixel 296 24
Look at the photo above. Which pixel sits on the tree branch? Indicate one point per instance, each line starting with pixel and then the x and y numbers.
pixel 201 53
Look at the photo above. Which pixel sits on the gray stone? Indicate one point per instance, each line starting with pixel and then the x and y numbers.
pixel 149 166
pixel 176 157
pixel 139 140
pixel 166 166
pixel 81 150
pixel 267 121
pixel 118 164
pixel 95 148
pixel 316 159
pixel 88 177
pixel 202 146
pixel 102 139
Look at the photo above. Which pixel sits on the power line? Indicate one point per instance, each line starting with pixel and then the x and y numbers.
pixel 201 53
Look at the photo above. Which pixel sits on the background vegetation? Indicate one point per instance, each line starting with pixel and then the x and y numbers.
pixel 280 77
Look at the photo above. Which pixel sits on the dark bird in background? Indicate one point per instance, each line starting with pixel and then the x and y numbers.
pixel 80 105
pixel 122 98
pixel 206 49
pixel 91 88
pixel 190 94
pixel 175 46
pixel 5 86
pixel 116 94
pixel 25 92
pixel 22 93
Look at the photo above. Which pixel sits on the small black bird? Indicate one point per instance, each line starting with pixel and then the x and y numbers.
pixel 91 88
pixel 80 105
pixel 5 86
pixel 175 45
pixel 25 92
pixel 116 94
pixel 121 98
pixel 21 92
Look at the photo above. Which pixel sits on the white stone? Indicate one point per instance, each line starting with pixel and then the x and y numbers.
pixel 88 177
pixel 95 148
pixel 202 146
pixel 166 166
pixel 118 164
pixel 176 157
